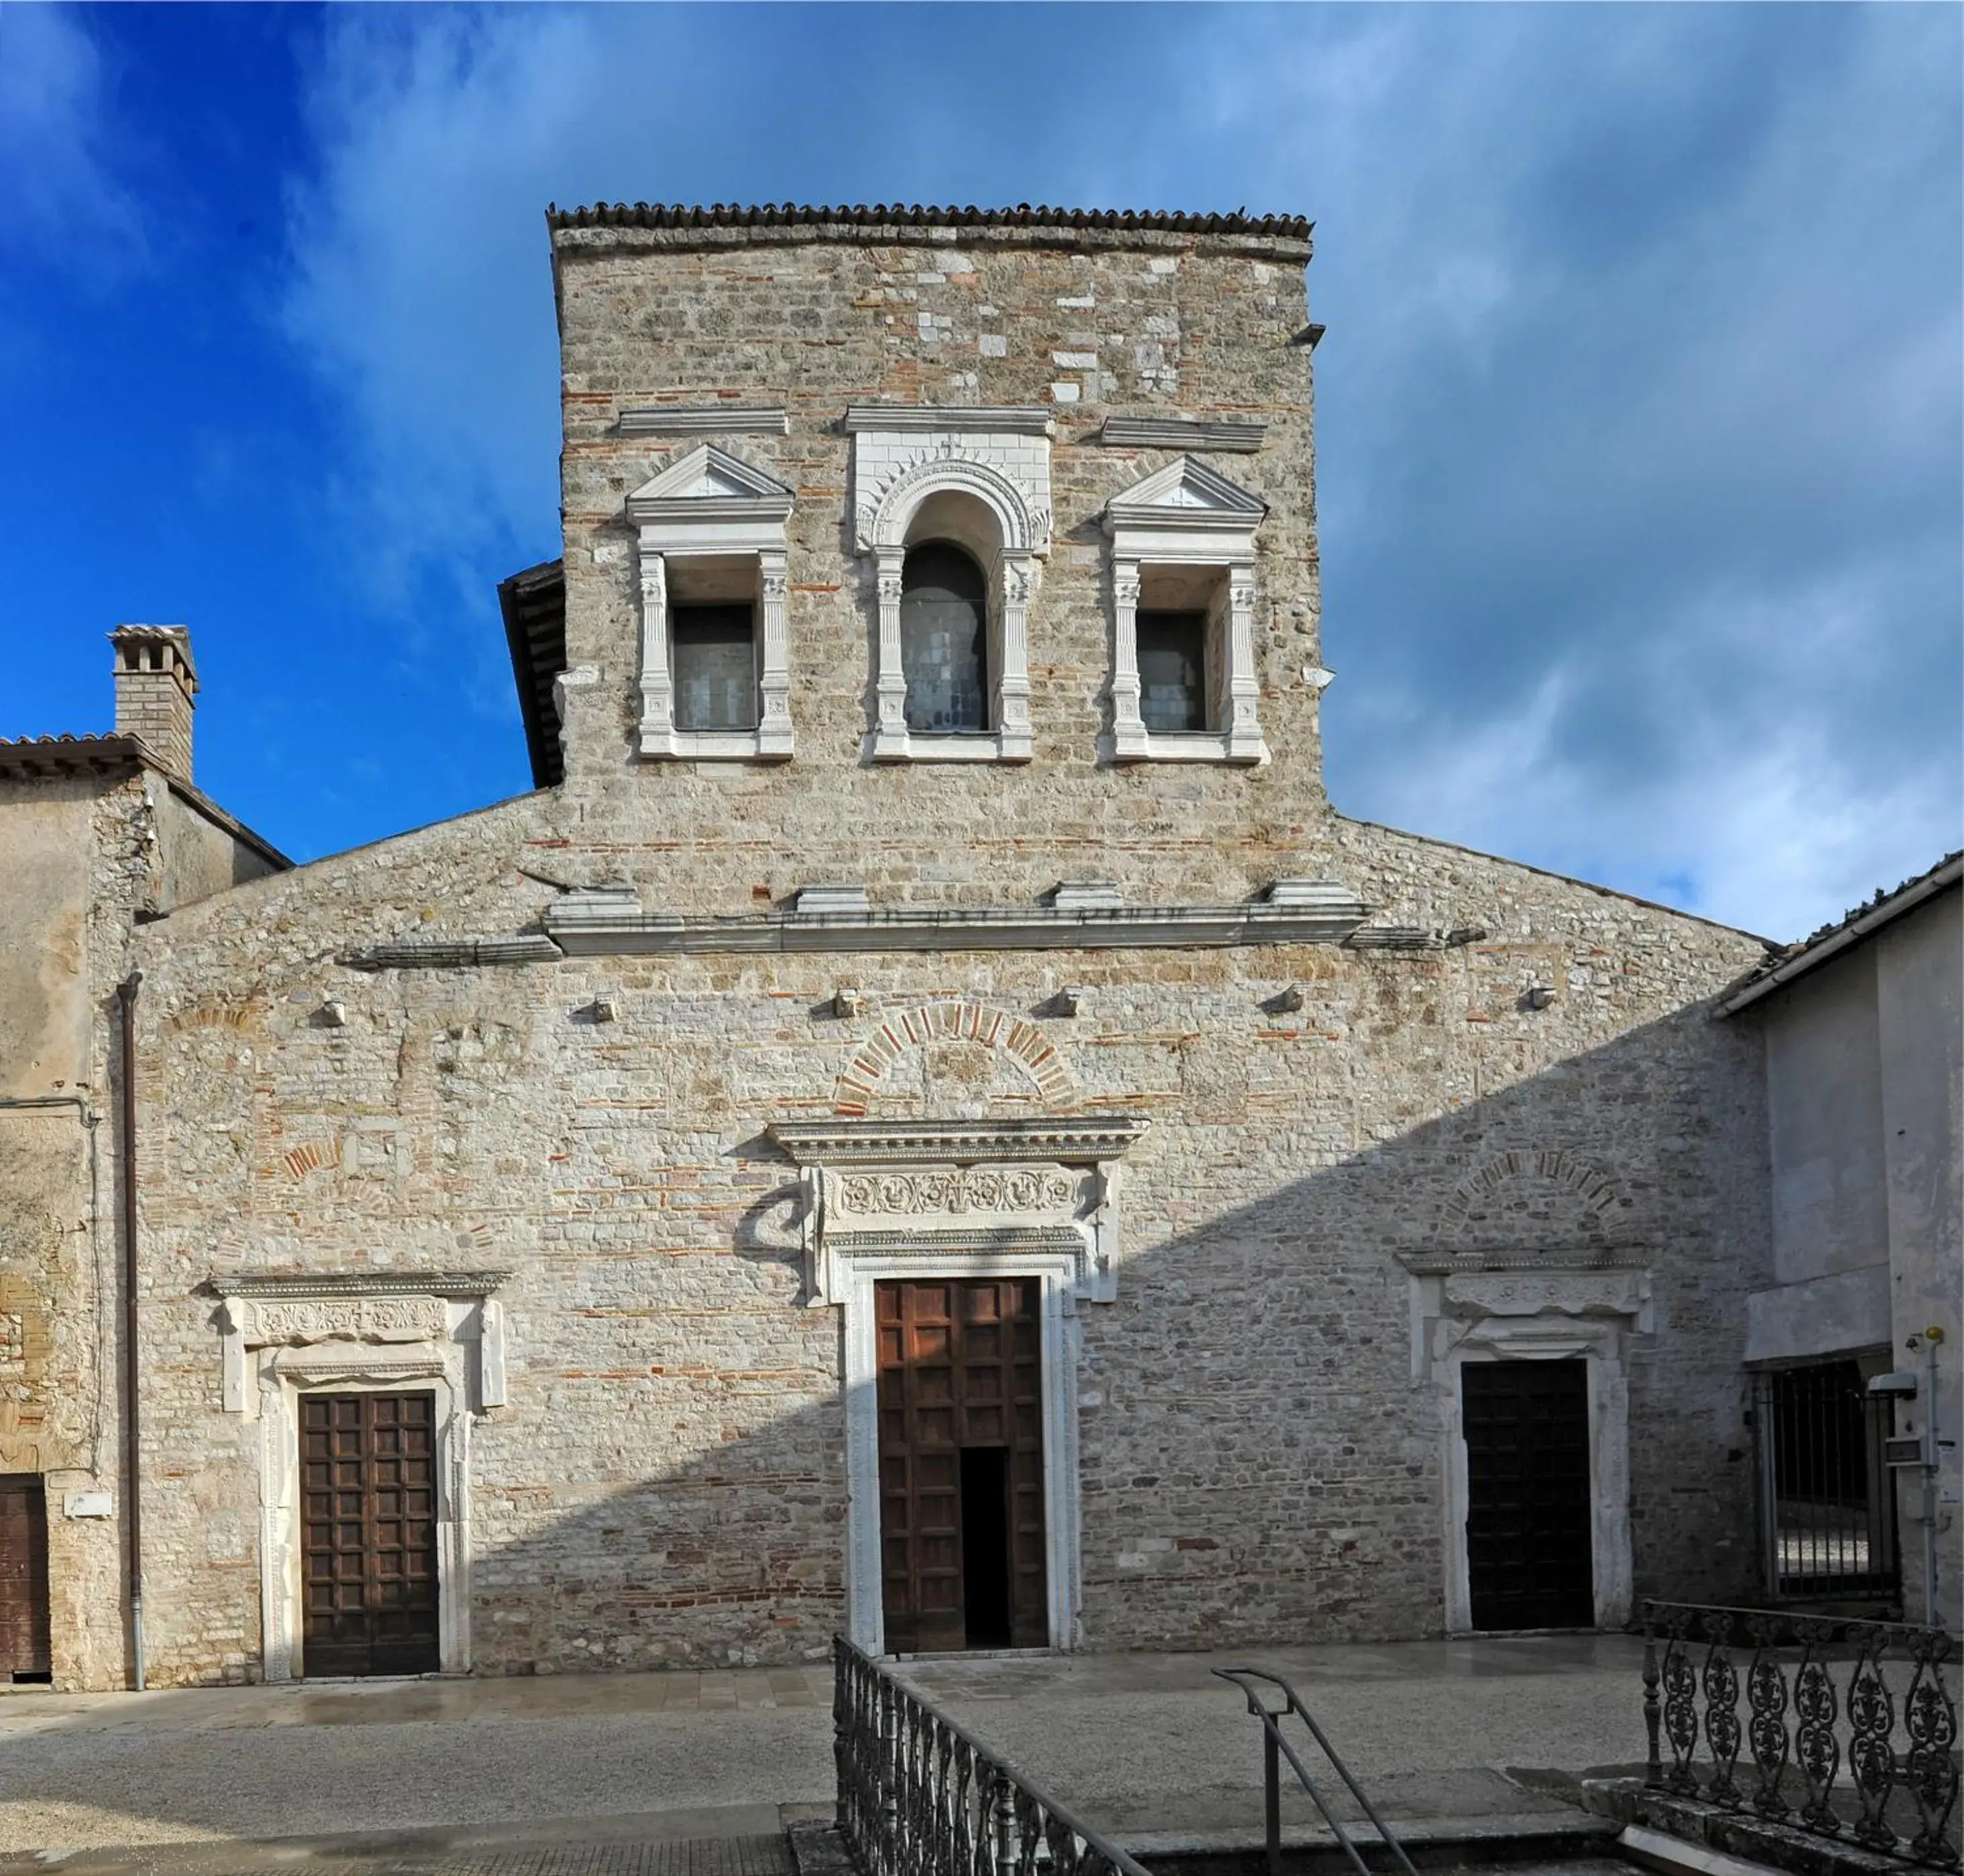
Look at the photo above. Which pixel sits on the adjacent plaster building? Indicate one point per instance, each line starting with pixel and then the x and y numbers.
pixel 927 1122
pixel 97 832
pixel 1864 1036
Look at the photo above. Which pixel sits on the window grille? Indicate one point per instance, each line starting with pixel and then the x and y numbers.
pixel 1828 1513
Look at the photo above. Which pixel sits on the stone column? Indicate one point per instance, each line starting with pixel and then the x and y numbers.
pixel 1244 731
pixel 774 685
pixel 1128 730
pixel 657 726
pixel 1013 684
pixel 889 729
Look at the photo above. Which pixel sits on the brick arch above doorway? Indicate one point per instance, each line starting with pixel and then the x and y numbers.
pixel 1543 1200
pixel 949 1020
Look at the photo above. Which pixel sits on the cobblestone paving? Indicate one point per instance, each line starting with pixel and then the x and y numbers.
pixel 695 1856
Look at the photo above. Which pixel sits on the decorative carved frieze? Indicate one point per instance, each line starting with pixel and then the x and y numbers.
pixel 345 1319
pixel 1046 1187
pixel 961 1189
pixel 365 1322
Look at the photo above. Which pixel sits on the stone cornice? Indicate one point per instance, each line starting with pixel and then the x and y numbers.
pixel 294 1285
pixel 1182 433
pixel 452 954
pixel 1019 419
pixel 610 920
pixel 691 420
pixel 1065 1139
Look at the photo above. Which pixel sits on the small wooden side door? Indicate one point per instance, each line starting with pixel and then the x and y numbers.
pixel 24 1652
pixel 368 1533
pixel 1530 1557
pixel 960 1369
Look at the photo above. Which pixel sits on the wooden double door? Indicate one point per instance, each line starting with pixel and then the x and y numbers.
pixel 1530 1557
pixel 368 1569
pixel 961 1466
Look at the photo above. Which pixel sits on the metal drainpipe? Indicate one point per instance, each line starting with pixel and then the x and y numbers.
pixel 132 1502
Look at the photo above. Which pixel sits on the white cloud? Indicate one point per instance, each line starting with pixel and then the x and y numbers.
pixel 55 162
pixel 1638 417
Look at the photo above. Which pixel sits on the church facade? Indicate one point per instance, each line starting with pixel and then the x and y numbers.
pixel 927 1123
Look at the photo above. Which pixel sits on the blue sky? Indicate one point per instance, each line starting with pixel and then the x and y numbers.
pixel 1640 416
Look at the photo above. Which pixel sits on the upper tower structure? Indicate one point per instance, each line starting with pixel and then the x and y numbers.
pixel 959 545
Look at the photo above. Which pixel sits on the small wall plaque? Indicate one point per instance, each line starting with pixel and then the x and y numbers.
pixel 88 1505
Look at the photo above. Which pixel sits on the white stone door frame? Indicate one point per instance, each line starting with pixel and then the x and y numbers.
pixel 905 1201
pixel 1541 1312
pixel 1057 1275
pixel 284 1337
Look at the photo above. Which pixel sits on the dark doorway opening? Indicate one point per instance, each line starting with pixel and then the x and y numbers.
pixel 985 1545
pixel 1530 1557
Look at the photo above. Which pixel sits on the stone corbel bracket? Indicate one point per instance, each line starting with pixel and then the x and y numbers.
pixel 946 1191
pixel 318 1324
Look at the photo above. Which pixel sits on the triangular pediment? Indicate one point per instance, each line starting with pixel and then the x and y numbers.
pixel 1185 486
pixel 708 475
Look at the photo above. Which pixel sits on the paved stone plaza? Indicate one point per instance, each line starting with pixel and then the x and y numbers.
pixel 631 1771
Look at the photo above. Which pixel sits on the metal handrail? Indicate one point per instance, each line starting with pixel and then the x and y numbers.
pixel 920 1795
pixel 1275 1747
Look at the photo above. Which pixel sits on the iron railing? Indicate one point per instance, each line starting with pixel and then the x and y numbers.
pixel 1824 1698
pixel 920 1796
pixel 1275 1747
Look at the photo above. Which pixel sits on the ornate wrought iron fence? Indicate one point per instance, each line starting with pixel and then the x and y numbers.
pixel 918 1796
pixel 1849 1726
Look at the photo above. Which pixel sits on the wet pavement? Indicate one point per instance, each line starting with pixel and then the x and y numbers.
pixel 690 1774
pixel 1451 1738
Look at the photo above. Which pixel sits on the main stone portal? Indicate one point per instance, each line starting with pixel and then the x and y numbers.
pixel 961 1464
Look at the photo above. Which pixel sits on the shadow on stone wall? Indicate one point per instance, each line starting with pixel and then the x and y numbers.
pixel 1258 1463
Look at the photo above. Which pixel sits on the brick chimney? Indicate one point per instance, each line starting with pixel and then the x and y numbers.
pixel 154 683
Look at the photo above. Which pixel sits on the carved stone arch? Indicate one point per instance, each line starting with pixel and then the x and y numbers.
pixel 950 1021
pixel 1547 1200
pixel 883 521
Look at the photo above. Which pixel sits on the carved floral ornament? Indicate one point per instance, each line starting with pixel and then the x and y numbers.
pixel 360 1326
pixel 961 1191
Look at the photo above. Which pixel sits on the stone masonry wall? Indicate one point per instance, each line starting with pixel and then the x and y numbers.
pixel 1149 325
pixel 665 1483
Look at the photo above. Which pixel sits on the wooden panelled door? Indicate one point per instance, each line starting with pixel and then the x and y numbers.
pixel 368 1533
pixel 961 1469
pixel 24 1577
pixel 1530 1561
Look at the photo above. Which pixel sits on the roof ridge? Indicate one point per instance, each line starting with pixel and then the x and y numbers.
pixel 915 214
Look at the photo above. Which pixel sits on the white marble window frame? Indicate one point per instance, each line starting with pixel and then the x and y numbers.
pixel 762 542
pixel 1007 472
pixel 1234 692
